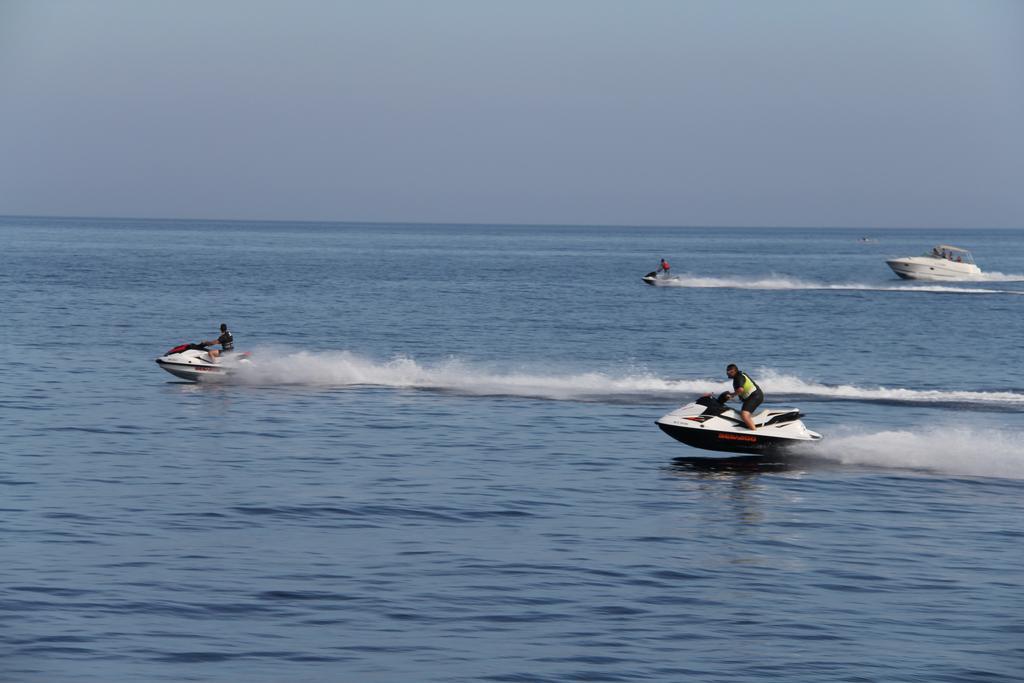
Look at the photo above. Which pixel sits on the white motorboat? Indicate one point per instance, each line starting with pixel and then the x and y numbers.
pixel 193 362
pixel 943 262
pixel 709 424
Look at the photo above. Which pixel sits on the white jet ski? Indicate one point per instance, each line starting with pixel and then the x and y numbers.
pixel 193 362
pixel 709 424
pixel 653 279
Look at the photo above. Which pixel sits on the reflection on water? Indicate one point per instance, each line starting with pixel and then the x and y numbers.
pixel 725 468
pixel 745 465
pixel 738 481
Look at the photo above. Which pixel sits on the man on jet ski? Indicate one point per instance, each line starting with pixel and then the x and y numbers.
pixel 226 341
pixel 746 389
pixel 664 267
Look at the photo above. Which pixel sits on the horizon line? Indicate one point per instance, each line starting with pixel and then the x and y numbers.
pixel 498 224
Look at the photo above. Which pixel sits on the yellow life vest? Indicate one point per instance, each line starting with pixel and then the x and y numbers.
pixel 747 388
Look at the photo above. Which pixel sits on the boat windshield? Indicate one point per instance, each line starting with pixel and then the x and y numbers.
pixel 951 253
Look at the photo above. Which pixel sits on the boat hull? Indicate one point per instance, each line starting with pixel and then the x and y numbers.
pixel 923 268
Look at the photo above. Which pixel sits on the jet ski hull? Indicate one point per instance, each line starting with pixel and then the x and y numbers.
pixel 709 425
pixel 655 281
pixel 193 372
pixel 192 362
pixel 728 443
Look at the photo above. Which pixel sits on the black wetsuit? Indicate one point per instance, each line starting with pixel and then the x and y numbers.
pixel 226 341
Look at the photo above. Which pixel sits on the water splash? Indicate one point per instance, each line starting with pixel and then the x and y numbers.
pixel 981 453
pixel 779 383
pixel 996 276
pixel 781 282
pixel 343 368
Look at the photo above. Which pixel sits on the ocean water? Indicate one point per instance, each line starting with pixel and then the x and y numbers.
pixel 444 464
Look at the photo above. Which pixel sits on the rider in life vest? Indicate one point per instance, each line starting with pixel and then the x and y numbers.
pixel 226 341
pixel 664 266
pixel 746 389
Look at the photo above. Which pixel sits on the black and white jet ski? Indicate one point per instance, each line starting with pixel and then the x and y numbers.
pixel 709 424
pixel 652 278
pixel 193 362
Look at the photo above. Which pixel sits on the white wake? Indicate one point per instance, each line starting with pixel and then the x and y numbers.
pixel 996 276
pixel 343 368
pixel 781 282
pixel 981 453
pixel 779 383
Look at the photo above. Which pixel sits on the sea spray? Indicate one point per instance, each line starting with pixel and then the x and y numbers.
pixel 996 276
pixel 344 368
pixel 780 383
pixel 949 450
pixel 782 282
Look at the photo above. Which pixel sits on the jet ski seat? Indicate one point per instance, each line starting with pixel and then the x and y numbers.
pixel 716 406
pixel 776 418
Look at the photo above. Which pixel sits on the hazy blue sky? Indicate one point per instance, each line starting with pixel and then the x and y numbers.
pixel 860 113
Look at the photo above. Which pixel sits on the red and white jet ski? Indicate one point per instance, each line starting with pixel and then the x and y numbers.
pixel 193 362
pixel 707 423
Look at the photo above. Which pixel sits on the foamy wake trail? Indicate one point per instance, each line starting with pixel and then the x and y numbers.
pixel 963 452
pixel 996 276
pixel 778 383
pixel 343 368
pixel 782 283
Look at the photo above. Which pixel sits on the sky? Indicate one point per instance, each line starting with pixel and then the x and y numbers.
pixel 859 113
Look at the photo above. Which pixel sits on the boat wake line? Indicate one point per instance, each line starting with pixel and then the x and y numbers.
pixel 781 282
pixel 343 368
pixel 966 452
pixel 996 276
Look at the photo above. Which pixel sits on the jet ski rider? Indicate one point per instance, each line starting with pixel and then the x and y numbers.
pixel 664 267
pixel 746 389
pixel 226 341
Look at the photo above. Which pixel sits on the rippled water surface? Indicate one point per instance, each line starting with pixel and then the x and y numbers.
pixel 443 464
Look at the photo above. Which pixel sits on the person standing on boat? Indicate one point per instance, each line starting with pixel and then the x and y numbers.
pixel 664 267
pixel 226 341
pixel 746 389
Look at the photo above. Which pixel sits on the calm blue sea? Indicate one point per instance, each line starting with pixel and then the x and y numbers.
pixel 444 465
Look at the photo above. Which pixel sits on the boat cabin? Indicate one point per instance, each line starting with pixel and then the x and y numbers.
pixel 950 253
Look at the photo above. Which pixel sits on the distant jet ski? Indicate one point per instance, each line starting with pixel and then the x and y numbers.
pixel 652 279
pixel 193 362
pixel 709 424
